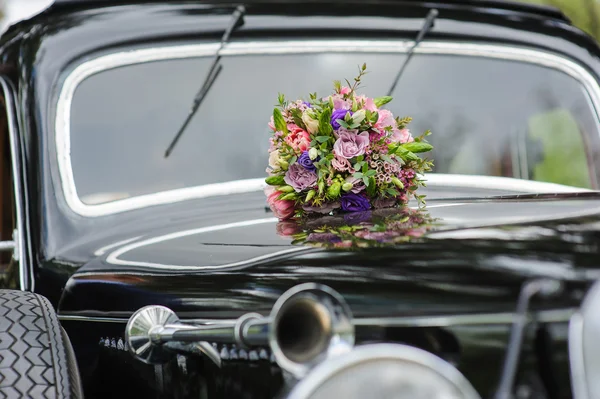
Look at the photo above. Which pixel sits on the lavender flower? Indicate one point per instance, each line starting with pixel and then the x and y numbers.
pixel 354 202
pixel 306 162
pixel 300 178
pixel 338 114
pixel 350 145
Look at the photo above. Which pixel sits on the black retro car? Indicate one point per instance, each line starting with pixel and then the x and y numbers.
pixel 126 273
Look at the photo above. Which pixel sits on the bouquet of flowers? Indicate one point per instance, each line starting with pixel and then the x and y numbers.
pixel 366 229
pixel 344 152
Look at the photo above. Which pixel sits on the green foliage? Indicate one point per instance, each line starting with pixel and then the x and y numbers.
pixel 417 147
pixel 585 14
pixel 280 124
pixel 275 181
pixel 379 101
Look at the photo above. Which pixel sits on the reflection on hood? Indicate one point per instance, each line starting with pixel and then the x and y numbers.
pixel 377 228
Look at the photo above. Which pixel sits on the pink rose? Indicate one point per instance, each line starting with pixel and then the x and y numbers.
pixel 369 104
pixel 357 184
pixel 300 178
pixel 272 124
pixel 345 90
pixel 341 164
pixel 287 228
pixel 386 118
pixel 401 136
pixel 324 208
pixel 281 209
pixel 350 145
pixel 297 138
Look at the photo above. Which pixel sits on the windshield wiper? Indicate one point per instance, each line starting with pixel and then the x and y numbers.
pixel 427 25
pixel 236 21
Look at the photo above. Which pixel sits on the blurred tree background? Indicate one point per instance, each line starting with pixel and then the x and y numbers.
pixel 585 14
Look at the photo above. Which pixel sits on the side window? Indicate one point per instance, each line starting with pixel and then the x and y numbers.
pixel 557 150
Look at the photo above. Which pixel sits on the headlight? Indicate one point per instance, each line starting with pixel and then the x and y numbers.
pixel 384 371
pixel 584 332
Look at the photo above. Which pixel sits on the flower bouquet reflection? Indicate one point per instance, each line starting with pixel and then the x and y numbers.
pixel 372 228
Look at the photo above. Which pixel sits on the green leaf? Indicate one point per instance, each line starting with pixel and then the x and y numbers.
pixel 281 99
pixel 358 175
pixel 371 187
pixel 360 158
pixel 386 158
pixel 280 124
pixel 275 181
pixel 407 155
pixel 325 122
pixel 293 159
pixel 323 146
pixel 374 117
pixel 392 191
pixel 358 165
pixel 365 167
pixel 417 147
pixel 342 123
pixel 370 173
pixel 365 180
pixel 322 139
pixel 379 101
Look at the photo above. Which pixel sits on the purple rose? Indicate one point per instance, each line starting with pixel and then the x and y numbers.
pixel 323 237
pixel 355 202
pixel 300 178
pixel 357 217
pixel 350 145
pixel 306 162
pixel 338 114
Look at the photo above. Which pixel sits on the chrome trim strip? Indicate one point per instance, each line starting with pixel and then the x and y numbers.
pixel 7 246
pixel 576 364
pixel 506 318
pixel 89 68
pixel 92 319
pixel 498 183
pixel 26 280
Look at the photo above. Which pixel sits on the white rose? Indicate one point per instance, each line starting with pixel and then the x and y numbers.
pixel 311 124
pixel 274 160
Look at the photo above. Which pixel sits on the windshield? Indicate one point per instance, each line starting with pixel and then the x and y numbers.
pixel 488 116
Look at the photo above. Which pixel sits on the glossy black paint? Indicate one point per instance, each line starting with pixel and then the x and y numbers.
pixel 468 271
pixel 50 44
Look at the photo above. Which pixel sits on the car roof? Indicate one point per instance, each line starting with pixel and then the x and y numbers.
pixel 501 5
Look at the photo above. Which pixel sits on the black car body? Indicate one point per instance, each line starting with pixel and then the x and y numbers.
pixel 214 254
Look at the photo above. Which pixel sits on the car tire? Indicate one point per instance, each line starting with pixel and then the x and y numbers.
pixel 36 356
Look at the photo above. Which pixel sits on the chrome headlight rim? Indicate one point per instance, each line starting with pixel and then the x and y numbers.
pixel 382 351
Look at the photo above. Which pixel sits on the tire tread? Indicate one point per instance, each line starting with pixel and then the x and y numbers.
pixel 34 361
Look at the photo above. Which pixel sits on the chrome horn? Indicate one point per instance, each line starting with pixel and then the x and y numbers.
pixel 308 324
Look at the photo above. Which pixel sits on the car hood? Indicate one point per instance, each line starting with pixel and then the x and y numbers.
pixel 463 255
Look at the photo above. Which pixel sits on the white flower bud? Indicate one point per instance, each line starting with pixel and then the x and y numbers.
pixel 313 154
pixel 312 125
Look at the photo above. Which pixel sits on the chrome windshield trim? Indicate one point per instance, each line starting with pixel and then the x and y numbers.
pixel 505 318
pixel 25 277
pixel 106 62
